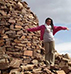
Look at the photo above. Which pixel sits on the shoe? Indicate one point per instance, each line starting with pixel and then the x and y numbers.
pixel 52 66
pixel 47 64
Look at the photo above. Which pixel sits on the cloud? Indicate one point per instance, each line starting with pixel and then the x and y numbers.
pixel 64 48
pixel 70 28
pixel 57 40
pixel 58 10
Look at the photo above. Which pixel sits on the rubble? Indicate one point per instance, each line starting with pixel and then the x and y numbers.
pixel 60 72
pixel 21 52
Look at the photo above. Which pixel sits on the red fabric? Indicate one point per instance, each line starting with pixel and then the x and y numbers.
pixel 42 29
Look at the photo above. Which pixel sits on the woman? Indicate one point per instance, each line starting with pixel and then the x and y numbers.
pixel 46 35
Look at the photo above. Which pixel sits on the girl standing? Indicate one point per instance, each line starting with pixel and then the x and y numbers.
pixel 46 35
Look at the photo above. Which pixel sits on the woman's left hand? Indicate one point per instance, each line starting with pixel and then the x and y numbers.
pixel 67 29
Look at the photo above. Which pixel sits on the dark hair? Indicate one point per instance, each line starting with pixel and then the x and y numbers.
pixel 52 25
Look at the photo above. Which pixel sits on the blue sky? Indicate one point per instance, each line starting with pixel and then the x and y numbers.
pixel 60 12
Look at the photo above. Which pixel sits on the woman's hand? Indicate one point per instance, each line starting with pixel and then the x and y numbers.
pixel 67 29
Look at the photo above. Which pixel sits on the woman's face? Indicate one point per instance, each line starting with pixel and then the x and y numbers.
pixel 48 22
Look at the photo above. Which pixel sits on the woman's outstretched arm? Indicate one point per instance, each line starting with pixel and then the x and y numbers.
pixel 62 28
pixel 58 28
pixel 34 29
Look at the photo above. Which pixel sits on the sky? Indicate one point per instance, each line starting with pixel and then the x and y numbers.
pixel 60 12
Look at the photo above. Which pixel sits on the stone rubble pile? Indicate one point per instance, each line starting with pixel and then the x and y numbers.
pixel 15 18
pixel 21 52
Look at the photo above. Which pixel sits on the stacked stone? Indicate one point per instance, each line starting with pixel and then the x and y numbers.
pixel 11 65
pixel 15 18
